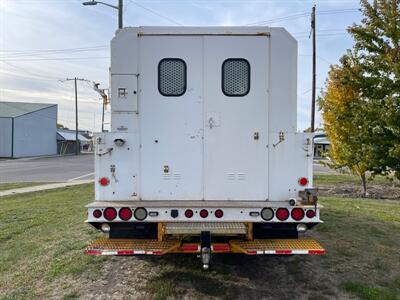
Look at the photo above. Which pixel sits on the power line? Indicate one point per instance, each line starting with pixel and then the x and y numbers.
pixel 39 53
pixel 53 50
pixel 156 13
pixel 302 15
pixel 56 58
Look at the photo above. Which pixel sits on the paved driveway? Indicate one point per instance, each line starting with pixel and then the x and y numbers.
pixel 64 168
pixel 47 169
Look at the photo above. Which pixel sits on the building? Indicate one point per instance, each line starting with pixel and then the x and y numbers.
pixel 66 141
pixel 27 129
pixel 321 145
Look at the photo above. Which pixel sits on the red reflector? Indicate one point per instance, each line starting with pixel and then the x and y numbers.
pixel 204 213
pixel 104 181
pixel 283 251
pixel 110 213
pixel 282 214
pixel 125 213
pixel 189 213
pixel 97 213
pixel 310 214
pixel 219 213
pixel 297 214
pixel 303 181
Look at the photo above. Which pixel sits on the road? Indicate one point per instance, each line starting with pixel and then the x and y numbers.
pixel 64 168
pixel 320 169
pixel 47 169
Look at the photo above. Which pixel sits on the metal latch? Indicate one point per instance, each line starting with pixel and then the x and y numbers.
pixel 281 138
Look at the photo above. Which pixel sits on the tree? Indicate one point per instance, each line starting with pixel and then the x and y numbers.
pixel 361 104
pixel 344 120
pixel 377 51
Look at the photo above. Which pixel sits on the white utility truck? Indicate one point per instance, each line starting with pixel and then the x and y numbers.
pixel 204 155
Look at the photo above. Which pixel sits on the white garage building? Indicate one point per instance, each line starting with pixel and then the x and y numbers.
pixel 27 129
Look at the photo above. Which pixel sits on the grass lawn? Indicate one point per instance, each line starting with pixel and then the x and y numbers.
pixel 42 236
pixel 345 178
pixel 17 185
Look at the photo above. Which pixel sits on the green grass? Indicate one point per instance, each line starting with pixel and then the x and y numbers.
pixel 174 282
pixel 371 293
pixel 347 178
pixel 362 238
pixel 42 236
pixel 17 185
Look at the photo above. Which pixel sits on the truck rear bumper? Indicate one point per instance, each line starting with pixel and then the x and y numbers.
pixel 156 247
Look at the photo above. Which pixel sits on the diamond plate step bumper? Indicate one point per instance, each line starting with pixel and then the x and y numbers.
pixel 277 246
pixel 155 247
pixel 131 247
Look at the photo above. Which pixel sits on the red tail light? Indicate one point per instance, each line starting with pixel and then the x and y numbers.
pixel 310 214
pixel 297 214
pixel 204 213
pixel 303 181
pixel 189 213
pixel 97 213
pixel 219 213
pixel 125 213
pixel 110 213
pixel 282 214
pixel 104 181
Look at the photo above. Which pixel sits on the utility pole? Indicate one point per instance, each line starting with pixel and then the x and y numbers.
pixel 77 145
pixel 314 63
pixel 120 9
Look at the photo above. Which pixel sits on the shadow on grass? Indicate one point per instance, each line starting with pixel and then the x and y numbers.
pixel 235 276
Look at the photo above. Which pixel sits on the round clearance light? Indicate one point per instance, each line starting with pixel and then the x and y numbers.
pixel 188 213
pixel 125 213
pixel 104 181
pixel 301 227
pixel 219 213
pixel 282 214
pixel 303 181
pixel 310 214
pixel 97 213
pixel 297 214
pixel 105 227
pixel 204 213
pixel 110 213
pixel 267 213
pixel 140 213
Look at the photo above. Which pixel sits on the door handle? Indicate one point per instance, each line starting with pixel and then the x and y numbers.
pixel 211 122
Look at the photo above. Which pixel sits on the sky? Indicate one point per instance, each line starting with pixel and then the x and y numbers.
pixel 44 42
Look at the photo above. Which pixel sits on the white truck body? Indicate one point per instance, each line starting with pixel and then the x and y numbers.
pixel 232 159
pixel 203 142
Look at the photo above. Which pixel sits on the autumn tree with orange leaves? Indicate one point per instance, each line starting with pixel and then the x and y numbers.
pixel 361 101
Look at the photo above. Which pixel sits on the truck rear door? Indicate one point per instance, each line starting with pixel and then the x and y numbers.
pixel 171 117
pixel 235 123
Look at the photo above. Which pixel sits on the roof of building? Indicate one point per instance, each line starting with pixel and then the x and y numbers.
pixel 16 109
pixel 321 140
pixel 67 135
